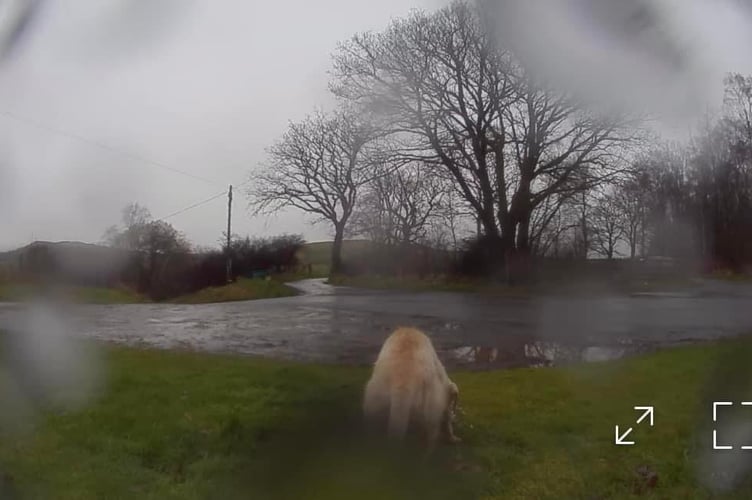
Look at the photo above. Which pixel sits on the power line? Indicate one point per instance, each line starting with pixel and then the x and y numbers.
pixel 136 157
pixel 223 193
pixel 247 181
pixel 106 147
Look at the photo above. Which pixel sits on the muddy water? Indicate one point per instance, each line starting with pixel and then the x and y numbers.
pixel 341 325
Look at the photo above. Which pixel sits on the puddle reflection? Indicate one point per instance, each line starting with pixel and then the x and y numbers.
pixel 534 354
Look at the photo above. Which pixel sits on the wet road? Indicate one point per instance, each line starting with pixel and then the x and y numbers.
pixel 344 325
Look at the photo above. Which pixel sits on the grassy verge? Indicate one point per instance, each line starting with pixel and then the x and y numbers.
pixel 443 284
pixel 435 284
pixel 180 425
pixel 319 254
pixel 242 289
pixel 91 295
pixel 731 276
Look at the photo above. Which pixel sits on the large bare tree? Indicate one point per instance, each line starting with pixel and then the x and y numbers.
pixel 472 111
pixel 440 80
pixel 318 166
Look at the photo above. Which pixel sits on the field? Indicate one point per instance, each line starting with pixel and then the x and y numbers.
pixel 466 285
pixel 242 289
pixel 594 276
pixel 316 254
pixel 183 425
pixel 90 295
pixel 434 284
pixel 319 254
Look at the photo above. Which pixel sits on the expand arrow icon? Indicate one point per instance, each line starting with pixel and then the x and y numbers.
pixel 620 439
pixel 647 411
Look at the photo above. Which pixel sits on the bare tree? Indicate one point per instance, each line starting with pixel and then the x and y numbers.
pixel 153 242
pixel 632 201
pixel 318 166
pixel 471 110
pixel 559 150
pixel 134 218
pixel 455 216
pixel 398 205
pixel 607 225
pixel 440 80
pixel 582 229
pixel 550 221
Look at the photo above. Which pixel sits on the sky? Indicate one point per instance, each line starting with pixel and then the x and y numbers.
pixel 105 100
pixel 101 92
pixel 666 58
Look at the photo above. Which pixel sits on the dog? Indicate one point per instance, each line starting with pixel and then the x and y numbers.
pixel 409 385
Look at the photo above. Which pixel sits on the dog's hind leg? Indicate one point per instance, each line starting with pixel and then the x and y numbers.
pixel 375 407
pixel 399 413
pixel 449 415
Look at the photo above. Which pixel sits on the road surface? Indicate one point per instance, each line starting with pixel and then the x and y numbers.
pixel 329 324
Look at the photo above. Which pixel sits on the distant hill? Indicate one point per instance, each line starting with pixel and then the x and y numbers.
pixel 319 253
pixel 87 261
pixel 8 256
pixel 75 260
pixel 364 256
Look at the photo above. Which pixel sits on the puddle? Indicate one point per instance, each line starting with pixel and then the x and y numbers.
pixel 535 354
pixel 473 332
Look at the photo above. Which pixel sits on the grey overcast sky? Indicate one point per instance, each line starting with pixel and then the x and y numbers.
pixel 204 86
pixel 200 86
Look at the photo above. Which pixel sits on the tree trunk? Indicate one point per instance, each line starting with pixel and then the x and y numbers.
pixel 339 234
pixel 152 269
pixel 488 221
pixel 506 249
pixel 523 235
pixel 522 269
pixel 643 241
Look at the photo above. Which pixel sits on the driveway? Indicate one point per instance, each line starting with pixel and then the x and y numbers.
pixel 343 325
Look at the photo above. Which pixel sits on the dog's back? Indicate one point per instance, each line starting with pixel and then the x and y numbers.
pixel 408 383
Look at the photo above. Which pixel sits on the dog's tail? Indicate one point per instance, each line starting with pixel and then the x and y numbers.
pixel 399 412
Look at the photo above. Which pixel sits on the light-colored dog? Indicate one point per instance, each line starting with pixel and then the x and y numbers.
pixel 409 385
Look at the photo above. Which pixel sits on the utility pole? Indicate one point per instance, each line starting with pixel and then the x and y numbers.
pixel 229 234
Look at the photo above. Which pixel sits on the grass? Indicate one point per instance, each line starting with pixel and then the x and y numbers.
pixel 91 295
pixel 319 254
pixel 446 284
pixel 184 425
pixel 731 276
pixel 242 289
pixel 435 284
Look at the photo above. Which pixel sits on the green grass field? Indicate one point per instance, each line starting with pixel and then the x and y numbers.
pixel 91 295
pixel 319 254
pixel 732 276
pixel 433 284
pixel 242 289
pixel 182 425
pixel 454 284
